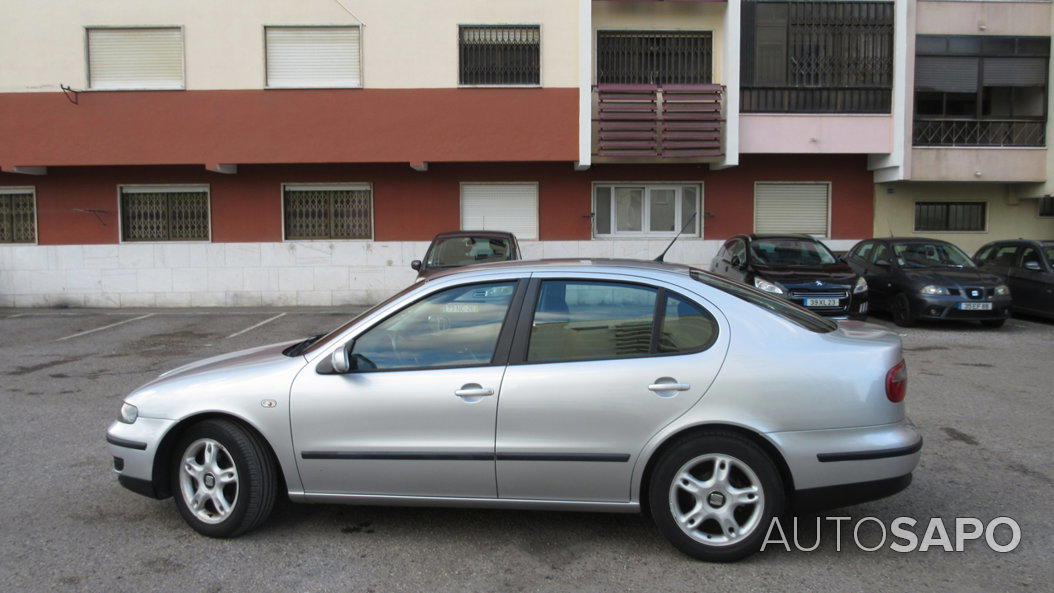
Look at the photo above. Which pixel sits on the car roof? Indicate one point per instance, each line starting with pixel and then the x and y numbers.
pixel 1033 242
pixel 763 236
pixel 488 234
pixel 566 264
pixel 911 240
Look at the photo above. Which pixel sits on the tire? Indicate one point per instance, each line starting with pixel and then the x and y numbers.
pixel 198 487
pixel 901 311
pixel 993 322
pixel 700 512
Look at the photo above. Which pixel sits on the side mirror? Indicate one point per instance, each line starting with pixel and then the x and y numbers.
pixel 882 263
pixel 416 265
pixel 340 361
pixel 1033 265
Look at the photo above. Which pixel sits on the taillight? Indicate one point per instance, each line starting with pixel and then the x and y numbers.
pixel 897 382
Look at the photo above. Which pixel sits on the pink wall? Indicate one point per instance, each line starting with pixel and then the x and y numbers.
pixel 833 134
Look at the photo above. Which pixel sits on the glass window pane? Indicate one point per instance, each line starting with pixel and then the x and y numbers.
pixel 455 327
pixel 663 205
pixel 689 205
pixel 579 320
pixel 602 210
pixel 686 327
pixel 629 209
pixel 967 44
pixel 961 104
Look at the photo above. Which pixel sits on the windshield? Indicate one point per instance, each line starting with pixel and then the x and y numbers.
pixel 791 252
pixel 321 340
pixel 789 311
pixel 462 251
pixel 931 255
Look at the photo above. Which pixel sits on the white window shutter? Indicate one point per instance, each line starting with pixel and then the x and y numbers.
pixel 135 58
pixel 511 207
pixel 791 208
pixel 317 57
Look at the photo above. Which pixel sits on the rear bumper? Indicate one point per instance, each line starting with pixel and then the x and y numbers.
pixel 833 497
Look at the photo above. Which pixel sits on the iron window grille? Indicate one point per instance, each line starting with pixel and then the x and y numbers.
pixel 654 57
pixel 17 217
pixel 314 213
pixel 1046 207
pixel 816 57
pixel 164 214
pixel 504 55
pixel 950 216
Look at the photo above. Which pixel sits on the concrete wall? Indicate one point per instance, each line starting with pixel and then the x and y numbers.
pixel 815 134
pixel 978 164
pixel 983 18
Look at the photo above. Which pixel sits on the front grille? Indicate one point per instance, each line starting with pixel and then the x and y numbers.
pixel 970 292
pixel 819 294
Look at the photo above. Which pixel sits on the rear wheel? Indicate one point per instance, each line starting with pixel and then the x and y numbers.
pixel 714 495
pixel 993 322
pixel 901 310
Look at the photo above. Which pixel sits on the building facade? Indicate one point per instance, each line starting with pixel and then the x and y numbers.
pixel 265 152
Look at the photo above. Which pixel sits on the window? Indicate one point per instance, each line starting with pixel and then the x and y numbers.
pixel 18 217
pixel 792 208
pixel 654 57
pixel 644 210
pixel 881 253
pixel 738 249
pixel 816 57
pixel 164 213
pixel 1046 207
pixel 1030 259
pixel 343 211
pixel 686 327
pixel 503 55
pixel 463 251
pixel 454 327
pixel 862 250
pixel 511 207
pixel 313 57
pixel 1003 256
pixel 771 303
pixel 950 216
pixel 135 58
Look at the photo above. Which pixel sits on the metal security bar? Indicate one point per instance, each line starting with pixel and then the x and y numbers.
pixel 654 57
pixel 949 216
pixel 164 215
pixel 979 132
pixel 670 121
pixel 17 220
pixel 328 213
pixel 500 55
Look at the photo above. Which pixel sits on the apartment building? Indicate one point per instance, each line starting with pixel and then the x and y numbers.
pixel 303 153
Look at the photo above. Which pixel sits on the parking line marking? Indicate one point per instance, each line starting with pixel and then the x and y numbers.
pixel 92 331
pixel 252 327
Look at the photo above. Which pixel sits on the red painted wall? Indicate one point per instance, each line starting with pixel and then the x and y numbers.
pixel 410 205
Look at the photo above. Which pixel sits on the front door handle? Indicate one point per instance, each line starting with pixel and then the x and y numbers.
pixel 473 392
pixel 669 387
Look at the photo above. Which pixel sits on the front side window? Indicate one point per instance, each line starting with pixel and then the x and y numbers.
pixel 863 250
pixel 654 57
pixel 17 215
pixel 791 252
pixel 1003 256
pixel 640 210
pixel 463 251
pixel 500 55
pixel 881 253
pixel 931 255
pixel 950 216
pixel 738 250
pixel 313 57
pixel 143 58
pixel 327 211
pixel 164 213
pixel 454 327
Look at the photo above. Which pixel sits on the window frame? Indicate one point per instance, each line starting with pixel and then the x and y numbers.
pixel 7 190
pixel 1039 207
pixel 645 233
pixel 338 186
pixel 830 202
pixel 541 56
pixel 946 203
pixel 525 321
pixel 159 188
pixel 87 58
pixel 362 66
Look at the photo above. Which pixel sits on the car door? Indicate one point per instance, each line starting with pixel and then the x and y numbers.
pixel 857 258
pixel 881 275
pixel 1001 259
pixel 599 365
pixel 1029 280
pixel 736 261
pixel 416 415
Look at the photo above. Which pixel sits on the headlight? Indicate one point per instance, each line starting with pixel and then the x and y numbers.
pixel 1002 290
pixel 861 285
pixel 932 290
pixel 767 286
pixel 129 413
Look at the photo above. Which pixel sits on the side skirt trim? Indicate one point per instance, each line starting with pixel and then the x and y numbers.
pixel 466 502
pixel 466 456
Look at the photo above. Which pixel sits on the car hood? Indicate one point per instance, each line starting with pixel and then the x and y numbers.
pixel 229 361
pixel 836 273
pixel 951 276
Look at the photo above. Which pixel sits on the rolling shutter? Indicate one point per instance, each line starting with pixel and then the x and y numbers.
pixel 313 57
pixel 135 58
pixel 946 74
pixel 509 207
pixel 1015 71
pixel 791 208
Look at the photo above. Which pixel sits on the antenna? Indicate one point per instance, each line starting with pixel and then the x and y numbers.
pixel 677 236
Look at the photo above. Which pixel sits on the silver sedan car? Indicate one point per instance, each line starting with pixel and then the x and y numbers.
pixel 591 385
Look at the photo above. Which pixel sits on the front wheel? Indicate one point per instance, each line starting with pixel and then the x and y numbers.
pixel 902 314
pixel 714 495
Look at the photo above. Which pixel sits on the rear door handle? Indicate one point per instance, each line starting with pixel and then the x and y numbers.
pixel 669 387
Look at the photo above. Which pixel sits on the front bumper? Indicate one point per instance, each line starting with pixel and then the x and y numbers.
pixel 850 304
pixel 133 447
pixel 947 307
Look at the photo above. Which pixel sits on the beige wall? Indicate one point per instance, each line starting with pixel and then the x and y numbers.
pixel 406 43
pixel 978 164
pixel 996 18
pixel 1007 218
pixel 689 16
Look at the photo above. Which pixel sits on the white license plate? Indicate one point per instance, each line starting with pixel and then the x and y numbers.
pixel 821 302
pixel 975 306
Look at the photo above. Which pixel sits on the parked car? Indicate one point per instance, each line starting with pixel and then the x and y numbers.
pixel 462 248
pixel 1027 267
pixel 602 368
pixel 798 268
pixel 917 278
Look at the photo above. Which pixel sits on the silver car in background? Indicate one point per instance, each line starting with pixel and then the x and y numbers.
pixel 592 385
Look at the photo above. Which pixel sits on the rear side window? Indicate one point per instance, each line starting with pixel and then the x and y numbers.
pixel 686 327
pixel 791 312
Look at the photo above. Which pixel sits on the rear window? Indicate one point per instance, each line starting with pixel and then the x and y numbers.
pixel 789 311
pixel 463 251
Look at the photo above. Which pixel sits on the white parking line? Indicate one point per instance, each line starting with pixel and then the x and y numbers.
pixel 252 327
pixel 92 331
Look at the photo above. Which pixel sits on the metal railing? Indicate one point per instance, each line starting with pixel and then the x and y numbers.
pixel 659 121
pixel 979 132
pixel 786 99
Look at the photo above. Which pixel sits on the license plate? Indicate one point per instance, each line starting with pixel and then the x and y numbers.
pixel 821 302
pixel 975 306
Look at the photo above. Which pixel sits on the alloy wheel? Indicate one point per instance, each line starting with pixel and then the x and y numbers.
pixel 208 480
pixel 717 499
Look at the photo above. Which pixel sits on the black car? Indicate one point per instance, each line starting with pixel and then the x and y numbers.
pixel 1027 267
pixel 916 278
pixel 799 268
pixel 461 248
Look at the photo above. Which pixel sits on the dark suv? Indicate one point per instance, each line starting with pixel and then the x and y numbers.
pixel 1027 267
pixel 462 248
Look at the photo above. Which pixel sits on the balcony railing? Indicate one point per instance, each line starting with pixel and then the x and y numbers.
pixel 979 132
pixel 659 121
pixel 785 99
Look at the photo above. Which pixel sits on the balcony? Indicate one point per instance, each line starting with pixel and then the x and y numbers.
pixel 979 132
pixel 658 122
